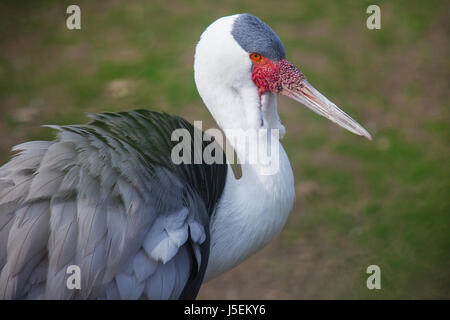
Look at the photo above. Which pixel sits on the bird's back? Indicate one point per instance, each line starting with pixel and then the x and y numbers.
pixel 107 198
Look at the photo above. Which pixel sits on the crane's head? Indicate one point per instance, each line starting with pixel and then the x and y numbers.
pixel 241 62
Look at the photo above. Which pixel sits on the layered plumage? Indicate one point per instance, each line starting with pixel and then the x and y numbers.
pixel 114 204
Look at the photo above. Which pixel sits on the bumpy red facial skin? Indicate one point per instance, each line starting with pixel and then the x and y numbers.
pixel 274 76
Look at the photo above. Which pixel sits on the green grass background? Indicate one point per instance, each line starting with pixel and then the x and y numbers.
pixel 358 203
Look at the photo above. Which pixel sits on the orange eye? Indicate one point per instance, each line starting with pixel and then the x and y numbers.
pixel 255 57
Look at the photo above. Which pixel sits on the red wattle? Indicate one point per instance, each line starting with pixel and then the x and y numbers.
pixel 273 76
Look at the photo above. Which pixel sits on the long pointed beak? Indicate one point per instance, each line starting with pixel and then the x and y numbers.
pixel 295 86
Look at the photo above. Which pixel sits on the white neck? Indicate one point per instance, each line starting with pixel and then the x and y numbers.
pixel 254 208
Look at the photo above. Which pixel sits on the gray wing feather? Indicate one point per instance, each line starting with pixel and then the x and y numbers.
pixel 26 247
pixel 90 200
pixel 143 266
pixel 62 245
